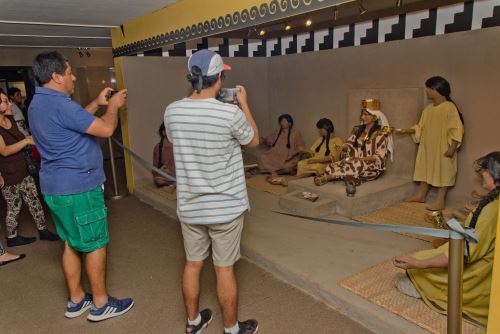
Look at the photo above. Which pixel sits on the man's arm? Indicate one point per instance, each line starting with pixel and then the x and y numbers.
pixel 243 102
pixel 105 125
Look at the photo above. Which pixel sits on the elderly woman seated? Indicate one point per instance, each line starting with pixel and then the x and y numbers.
pixel 426 271
pixel 365 151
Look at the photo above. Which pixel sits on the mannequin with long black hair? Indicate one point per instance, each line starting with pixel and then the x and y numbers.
pixel 365 151
pixel 163 158
pixel 427 269
pixel 284 148
pixel 439 134
pixel 324 150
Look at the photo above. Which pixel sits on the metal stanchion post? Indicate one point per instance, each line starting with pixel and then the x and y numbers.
pixel 113 171
pixel 455 283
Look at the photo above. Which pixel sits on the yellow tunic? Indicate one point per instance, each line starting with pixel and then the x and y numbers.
pixel 432 284
pixel 438 126
pixel 334 144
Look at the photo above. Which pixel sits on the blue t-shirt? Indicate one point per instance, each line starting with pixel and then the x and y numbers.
pixel 71 159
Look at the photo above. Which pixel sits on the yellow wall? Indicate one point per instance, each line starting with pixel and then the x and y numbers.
pixel 179 15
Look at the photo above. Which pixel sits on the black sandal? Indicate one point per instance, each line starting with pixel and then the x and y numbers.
pixel 20 257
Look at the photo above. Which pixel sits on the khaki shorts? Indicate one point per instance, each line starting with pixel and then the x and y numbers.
pixel 224 238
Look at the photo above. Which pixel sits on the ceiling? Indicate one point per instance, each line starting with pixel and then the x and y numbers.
pixel 68 23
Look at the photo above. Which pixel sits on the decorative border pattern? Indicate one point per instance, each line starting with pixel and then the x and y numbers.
pixel 469 15
pixel 276 9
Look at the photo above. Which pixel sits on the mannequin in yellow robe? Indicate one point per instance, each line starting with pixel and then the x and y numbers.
pixel 439 134
pixel 325 149
pixel 427 269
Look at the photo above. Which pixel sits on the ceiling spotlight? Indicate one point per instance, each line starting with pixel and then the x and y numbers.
pixel 309 22
pixel 262 32
pixel 80 53
pixel 88 53
pixel 399 3
pixel 288 27
pixel 335 13
pixel 362 10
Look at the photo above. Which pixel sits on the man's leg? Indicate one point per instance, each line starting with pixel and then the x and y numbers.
pixel 227 293
pixel 72 267
pixel 191 287
pixel 95 265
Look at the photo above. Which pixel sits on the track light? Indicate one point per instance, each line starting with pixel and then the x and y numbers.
pixel 288 27
pixel 309 22
pixel 87 52
pixel 80 53
pixel 335 13
pixel 399 3
pixel 362 10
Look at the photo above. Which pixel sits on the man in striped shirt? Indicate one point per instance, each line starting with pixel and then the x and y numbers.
pixel 211 191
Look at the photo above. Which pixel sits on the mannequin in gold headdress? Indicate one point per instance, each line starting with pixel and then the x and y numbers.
pixel 365 151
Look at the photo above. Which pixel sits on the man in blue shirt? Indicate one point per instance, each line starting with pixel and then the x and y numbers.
pixel 71 179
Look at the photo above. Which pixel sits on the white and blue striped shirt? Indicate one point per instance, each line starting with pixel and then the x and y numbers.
pixel 207 136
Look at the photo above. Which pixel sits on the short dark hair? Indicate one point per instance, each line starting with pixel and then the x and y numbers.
pixel 47 63
pixel 200 81
pixel 13 90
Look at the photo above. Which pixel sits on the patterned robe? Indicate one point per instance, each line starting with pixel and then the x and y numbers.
pixel 375 146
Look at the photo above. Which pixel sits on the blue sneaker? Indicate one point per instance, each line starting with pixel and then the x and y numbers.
pixel 113 308
pixel 74 310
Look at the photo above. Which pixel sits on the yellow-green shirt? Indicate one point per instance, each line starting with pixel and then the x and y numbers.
pixel 334 145
pixel 438 126
pixel 432 284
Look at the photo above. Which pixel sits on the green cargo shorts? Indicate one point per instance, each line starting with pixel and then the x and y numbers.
pixel 81 219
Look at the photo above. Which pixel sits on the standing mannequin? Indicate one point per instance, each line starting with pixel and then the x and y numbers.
pixel 439 134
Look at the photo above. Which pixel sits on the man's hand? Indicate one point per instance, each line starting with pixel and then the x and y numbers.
pixel 405 262
pixel 102 99
pixel 2 181
pixel 118 100
pixel 241 96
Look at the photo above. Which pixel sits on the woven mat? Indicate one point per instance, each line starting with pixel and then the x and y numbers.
pixel 377 284
pixel 405 213
pixel 259 182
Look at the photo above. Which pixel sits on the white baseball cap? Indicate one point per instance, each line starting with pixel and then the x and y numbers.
pixel 208 61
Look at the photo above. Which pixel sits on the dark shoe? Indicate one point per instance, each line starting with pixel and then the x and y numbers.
pixel 19 240
pixel 20 257
pixel 47 235
pixel 248 327
pixel 206 319
pixel 74 310
pixel 113 308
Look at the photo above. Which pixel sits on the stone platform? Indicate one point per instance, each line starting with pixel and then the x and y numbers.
pixel 370 196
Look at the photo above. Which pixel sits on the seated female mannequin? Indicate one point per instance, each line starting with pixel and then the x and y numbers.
pixel 324 150
pixel 283 154
pixel 427 274
pixel 365 150
pixel 163 158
